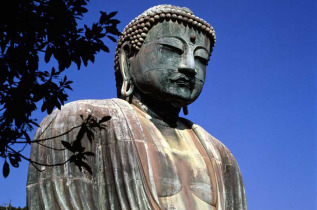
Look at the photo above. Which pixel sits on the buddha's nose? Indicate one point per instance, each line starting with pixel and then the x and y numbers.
pixel 187 64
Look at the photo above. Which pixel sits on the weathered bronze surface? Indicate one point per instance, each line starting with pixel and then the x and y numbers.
pixel 136 152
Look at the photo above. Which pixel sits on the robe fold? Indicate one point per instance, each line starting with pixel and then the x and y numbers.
pixel 121 172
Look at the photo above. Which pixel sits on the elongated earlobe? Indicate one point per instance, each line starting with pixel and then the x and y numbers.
pixel 127 84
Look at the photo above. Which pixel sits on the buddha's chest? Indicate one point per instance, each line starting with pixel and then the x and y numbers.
pixel 181 170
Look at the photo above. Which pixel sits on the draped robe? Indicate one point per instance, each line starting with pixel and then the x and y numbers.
pixel 121 172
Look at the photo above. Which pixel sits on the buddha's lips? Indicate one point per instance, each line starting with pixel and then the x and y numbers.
pixel 183 81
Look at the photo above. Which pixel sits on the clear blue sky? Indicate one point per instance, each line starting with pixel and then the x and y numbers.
pixel 259 98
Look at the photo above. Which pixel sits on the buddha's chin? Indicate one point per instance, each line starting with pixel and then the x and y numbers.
pixel 179 99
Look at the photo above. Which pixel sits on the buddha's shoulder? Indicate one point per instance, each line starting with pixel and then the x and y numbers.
pixel 96 104
pixel 91 107
pixel 218 149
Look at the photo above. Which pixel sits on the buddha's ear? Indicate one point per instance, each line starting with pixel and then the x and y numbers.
pixel 124 65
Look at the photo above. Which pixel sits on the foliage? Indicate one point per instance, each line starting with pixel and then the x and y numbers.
pixel 78 152
pixel 11 208
pixel 27 29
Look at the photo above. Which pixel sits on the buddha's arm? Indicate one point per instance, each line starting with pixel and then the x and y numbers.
pixel 69 146
pixel 234 187
pixel 110 176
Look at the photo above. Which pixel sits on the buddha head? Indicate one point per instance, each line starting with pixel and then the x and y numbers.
pixel 163 54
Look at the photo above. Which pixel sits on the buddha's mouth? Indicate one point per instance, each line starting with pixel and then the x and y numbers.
pixel 183 82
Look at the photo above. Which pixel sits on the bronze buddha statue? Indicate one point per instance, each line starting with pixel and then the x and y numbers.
pixel 139 153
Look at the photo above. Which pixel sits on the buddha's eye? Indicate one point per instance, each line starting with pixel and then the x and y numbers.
pixel 202 60
pixel 202 56
pixel 171 44
pixel 172 48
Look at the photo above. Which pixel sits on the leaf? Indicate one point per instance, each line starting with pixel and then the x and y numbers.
pixel 90 135
pixel 77 60
pixel 104 48
pixel 27 137
pixel 103 18
pixel 5 169
pixel 68 82
pixel 100 35
pixel 53 71
pixel 114 21
pixel 92 58
pixel 82 10
pixel 44 106
pixel 112 38
pixel 50 108
pixel 34 123
pixel 67 145
pixel 104 119
pixel 68 87
pixel 14 160
pixel 85 60
pixel 58 105
pixel 48 53
pixel 88 33
pixel 81 132
pixel 111 14
pixel 112 30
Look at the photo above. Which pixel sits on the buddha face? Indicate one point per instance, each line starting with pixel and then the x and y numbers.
pixel 171 64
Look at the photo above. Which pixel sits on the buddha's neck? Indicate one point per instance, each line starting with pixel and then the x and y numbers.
pixel 157 109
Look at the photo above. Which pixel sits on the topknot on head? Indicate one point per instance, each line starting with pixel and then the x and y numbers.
pixel 136 31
